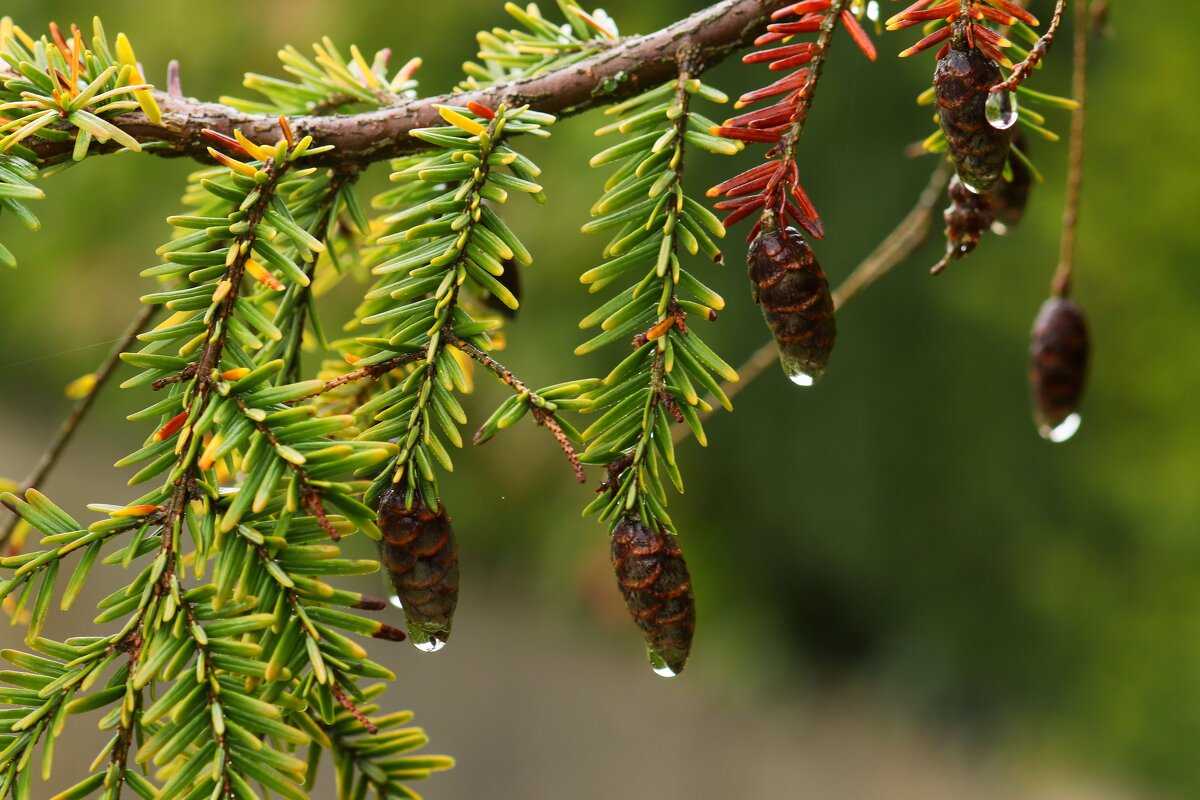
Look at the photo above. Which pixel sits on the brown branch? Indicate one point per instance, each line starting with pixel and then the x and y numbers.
pixel 204 380
pixel 903 240
pixel 633 66
pixel 345 702
pixel 1037 53
pixel 816 67
pixel 80 410
pixel 906 237
pixel 1061 285
pixel 372 371
pixel 185 374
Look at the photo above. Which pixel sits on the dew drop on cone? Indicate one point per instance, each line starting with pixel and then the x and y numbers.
pixel 788 282
pixel 1058 363
pixel 654 581
pixel 659 665
pixel 420 554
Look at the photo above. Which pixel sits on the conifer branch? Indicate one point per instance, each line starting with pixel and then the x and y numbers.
pixel 204 383
pixel 541 409
pixel 634 65
pixel 372 371
pixel 1022 70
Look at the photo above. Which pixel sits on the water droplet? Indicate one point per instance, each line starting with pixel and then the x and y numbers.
pixel 426 641
pixel 1063 431
pixel 659 665
pixel 430 645
pixel 802 379
pixel 1001 110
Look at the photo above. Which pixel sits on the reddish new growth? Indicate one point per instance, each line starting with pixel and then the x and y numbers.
pixel 979 35
pixel 775 186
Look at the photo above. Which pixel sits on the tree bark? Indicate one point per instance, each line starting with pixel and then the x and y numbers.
pixel 633 65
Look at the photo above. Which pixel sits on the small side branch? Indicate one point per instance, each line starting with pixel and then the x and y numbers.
pixel 1037 52
pixel 78 412
pixel 372 371
pixel 906 237
pixel 537 406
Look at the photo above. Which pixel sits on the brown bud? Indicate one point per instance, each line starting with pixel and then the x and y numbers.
pixel 961 80
pixel 1058 361
pixel 420 555
pixel 967 217
pixel 789 284
pixel 654 580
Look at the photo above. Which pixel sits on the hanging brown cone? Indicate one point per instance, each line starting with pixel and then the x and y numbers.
pixel 961 82
pixel 1058 362
pixel 967 217
pixel 789 284
pixel 654 580
pixel 420 554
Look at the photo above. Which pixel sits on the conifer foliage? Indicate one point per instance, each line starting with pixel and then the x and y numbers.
pixel 231 661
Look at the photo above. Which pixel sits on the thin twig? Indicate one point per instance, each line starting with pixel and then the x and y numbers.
pixel 372 371
pixel 502 373
pixel 1061 285
pixel 815 68
pixel 543 416
pixel 1036 53
pixel 906 237
pixel 636 64
pixel 80 410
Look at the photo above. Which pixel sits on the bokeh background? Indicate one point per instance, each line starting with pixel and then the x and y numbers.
pixel 903 591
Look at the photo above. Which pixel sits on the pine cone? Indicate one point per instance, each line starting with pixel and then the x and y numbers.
pixel 967 217
pixel 654 580
pixel 420 554
pixel 789 284
pixel 962 79
pixel 1058 360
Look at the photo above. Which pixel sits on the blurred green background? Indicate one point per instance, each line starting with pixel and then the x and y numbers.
pixel 990 612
